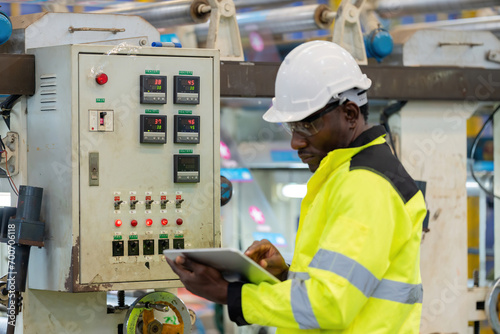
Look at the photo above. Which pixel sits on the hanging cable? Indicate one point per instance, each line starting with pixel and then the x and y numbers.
pixel 6 108
pixel 384 120
pixel 7 173
pixel 473 151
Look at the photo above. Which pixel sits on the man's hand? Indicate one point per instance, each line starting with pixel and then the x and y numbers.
pixel 268 257
pixel 201 280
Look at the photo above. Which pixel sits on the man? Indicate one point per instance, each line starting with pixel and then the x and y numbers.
pixel 356 263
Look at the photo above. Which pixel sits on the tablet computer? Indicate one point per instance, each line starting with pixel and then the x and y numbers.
pixel 232 263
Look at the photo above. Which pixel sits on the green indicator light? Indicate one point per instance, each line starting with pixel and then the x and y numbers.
pixel 100 100
pixel 152 71
pixel 117 237
pixel 185 72
pixel 152 111
pixel 185 151
pixel 179 236
pixel 185 112
pixel 133 237
pixel 163 236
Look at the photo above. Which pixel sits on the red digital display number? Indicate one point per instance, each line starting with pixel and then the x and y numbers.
pixel 157 120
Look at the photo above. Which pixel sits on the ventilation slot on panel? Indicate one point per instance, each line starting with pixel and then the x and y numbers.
pixel 48 92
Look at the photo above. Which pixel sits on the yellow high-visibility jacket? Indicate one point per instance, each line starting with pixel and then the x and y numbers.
pixel 356 266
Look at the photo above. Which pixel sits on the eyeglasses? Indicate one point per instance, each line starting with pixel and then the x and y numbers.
pixel 311 125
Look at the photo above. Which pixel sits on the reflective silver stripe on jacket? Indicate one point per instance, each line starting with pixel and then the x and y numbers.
pixel 298 275
pixel 365 281
pixel 399 292
pixel 301 305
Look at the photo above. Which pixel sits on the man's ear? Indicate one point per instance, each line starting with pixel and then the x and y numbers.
pixel 351 112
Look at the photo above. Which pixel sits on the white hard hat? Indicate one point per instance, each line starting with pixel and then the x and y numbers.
pixel 310 76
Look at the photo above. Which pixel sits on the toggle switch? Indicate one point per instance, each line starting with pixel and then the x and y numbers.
pixel 148 202
pixel 163 204
pixel 117 204
pixel 133 202
pixel 178 203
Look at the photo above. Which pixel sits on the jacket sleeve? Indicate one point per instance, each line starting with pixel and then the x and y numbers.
pixel 354 252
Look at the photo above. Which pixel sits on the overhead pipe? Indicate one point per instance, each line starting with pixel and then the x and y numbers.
pixel 261 3
pixel 487 23
pixel 391 8
pixel 279 21
pixel 167 14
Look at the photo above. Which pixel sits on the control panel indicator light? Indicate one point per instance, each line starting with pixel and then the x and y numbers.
pixel 133 223
pixel 179 221
pixel 149 222
pixel 101 78
pixel 118 222
pixel 164 222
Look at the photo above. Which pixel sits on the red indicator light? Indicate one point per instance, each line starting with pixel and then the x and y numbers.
pixel 149 222
pixel 179 221
pixel 164 222
pixel 101 78
pixel 118 223
pixel 133 223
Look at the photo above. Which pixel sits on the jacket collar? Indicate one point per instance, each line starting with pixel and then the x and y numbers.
pixel 368 136
pixel 373 136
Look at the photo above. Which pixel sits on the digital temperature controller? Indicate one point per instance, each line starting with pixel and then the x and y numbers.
pixel 186 89
pixel 153 129
pixel 153 89
pixel 186 168
pixel 186 129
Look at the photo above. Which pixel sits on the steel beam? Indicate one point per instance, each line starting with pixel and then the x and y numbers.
pixel 17 73
pixel 248 79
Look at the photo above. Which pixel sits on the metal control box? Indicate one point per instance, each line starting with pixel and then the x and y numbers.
pixel 119 185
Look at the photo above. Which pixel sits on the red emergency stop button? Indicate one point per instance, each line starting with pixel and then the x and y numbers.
pixel 118 223
pixel 149 222
pixel 133 223
pixel 164 221
pixel 101 78
pixel 179 221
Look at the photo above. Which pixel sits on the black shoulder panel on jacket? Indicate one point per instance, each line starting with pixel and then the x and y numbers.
pixel 379 159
